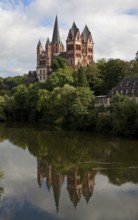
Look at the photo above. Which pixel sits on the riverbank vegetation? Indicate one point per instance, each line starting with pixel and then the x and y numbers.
pixel 67 98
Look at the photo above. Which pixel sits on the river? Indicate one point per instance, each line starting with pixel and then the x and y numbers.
pixel 65 175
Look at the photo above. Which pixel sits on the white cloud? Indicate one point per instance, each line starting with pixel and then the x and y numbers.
pixel 113 26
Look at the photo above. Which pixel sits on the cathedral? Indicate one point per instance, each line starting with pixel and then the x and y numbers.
pixel 79 50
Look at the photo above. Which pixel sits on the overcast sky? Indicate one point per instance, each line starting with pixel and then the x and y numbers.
pixel 113 24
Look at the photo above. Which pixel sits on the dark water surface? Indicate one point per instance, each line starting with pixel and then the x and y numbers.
pixel 56 175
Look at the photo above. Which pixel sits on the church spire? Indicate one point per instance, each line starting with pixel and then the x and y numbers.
pixel 56 36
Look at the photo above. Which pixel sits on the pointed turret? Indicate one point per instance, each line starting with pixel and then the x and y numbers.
pixel 47 42
pixel 48 53
pixel 39 52
pixel 56 36
pixel 39 45
pixel 86 33
pixel 88 186
pixel 74 30
pixel 58 180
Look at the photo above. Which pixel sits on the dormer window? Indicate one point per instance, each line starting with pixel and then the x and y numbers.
pixel 127 83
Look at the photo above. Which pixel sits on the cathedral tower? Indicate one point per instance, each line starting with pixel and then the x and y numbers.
pixel 73 46
pixel 79 50
pixel 87 46
pixel 39 52
pixel 56 44
pixel 48 54
pixel 41 69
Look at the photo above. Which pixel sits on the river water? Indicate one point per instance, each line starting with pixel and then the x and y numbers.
pixel 64 175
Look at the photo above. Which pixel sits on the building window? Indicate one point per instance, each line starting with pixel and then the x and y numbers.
pixel 70 47
pixel 127 83
pixel 78 47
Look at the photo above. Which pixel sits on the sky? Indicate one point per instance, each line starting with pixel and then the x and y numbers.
pixel 113 24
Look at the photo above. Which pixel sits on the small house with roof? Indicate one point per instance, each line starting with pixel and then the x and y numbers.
pixel 128 86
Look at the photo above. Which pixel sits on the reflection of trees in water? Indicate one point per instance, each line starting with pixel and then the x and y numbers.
pixel 121 175
pixel 79 182
pixel 65 150
pixel 1 187
pixel 79 179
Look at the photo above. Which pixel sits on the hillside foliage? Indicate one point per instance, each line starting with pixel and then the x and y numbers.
pixel 67 98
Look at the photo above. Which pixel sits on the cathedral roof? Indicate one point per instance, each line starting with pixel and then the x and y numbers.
pixel 127 86
pixel 87 193
pixel 74 30
pixel 56 36
pixel 86 32
pixel 39 44
pixel 48 41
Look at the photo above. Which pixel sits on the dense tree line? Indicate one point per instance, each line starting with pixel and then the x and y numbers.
pixel 67 98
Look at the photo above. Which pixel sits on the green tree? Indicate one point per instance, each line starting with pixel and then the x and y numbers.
pixel 70 106
pixel 89 76
pixel 134 67
pixel 11 82
pixel 124 113
pixel 81 77
pixel 20 94
pixel 2 114
pixel 94 78
pixel 111 72
pixel 9 107
pixel 60 78
pixel 42 104
pixel 58 62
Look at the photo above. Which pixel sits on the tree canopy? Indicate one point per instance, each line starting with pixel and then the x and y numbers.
pixel 67 97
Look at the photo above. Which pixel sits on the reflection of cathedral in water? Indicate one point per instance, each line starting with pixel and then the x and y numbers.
pixel 78 184
pixel 1 191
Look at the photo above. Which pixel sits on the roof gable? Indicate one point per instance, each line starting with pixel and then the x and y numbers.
pixel 73 32
pixel 86 34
